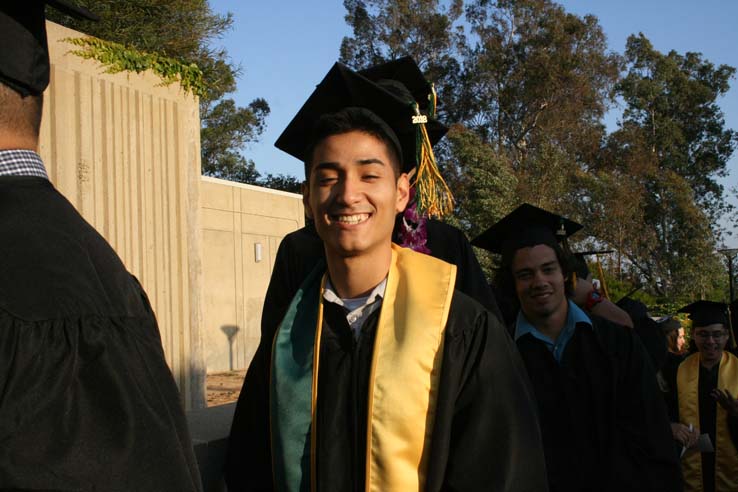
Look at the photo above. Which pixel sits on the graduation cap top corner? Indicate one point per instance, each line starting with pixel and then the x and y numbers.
pixel 526 226
pixel 25 67
pixel 704 313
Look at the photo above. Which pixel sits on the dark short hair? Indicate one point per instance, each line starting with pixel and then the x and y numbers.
pixel 345 121
pixel 20 114
pixel 505 281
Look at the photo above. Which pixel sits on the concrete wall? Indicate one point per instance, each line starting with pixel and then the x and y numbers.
pixel 126 152
pixel 237 220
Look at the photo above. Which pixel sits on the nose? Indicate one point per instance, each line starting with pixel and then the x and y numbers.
pixel 538 278
pixel 348 190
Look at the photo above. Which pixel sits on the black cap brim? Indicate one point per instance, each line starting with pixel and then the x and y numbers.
pixel 24 58
pixel 526 226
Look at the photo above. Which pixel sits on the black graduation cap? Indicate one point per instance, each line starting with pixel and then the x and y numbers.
pixel 703 313
pixel 580 261
pixel 24 56
pixel 669 323
pixel 526 226
pixel 398 94
pixel 389 90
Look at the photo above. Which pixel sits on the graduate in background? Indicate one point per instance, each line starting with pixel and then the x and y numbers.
pixel 87 401
pixel 381 376
pixel 707 388
pixel 603 421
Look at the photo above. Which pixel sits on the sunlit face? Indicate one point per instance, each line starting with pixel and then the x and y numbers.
pixel 710 341
pixel 353 193
pixel 680 339
pixel 539 281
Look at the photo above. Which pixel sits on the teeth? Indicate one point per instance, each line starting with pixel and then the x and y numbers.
pixel 351 219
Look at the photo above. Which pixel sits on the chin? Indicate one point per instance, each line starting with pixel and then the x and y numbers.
pixel 347 249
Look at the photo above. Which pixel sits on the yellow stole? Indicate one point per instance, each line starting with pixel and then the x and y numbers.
pixel 726 456
pixel 406 367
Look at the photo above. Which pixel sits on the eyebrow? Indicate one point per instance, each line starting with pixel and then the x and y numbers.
pixel 530 269
pixel 334 165
pixel 371 160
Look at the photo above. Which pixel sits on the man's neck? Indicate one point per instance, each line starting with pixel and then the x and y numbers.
pixel 550 325
pixel 709 364
pixel 356 276
pixel 15 141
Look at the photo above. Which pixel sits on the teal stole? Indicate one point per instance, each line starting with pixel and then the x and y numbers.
pixel 291 380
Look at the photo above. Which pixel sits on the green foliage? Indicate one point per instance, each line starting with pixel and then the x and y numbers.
pixel 671 146
pixel 281 182
pixel 525 86
pixel 119 58
pixel 672 100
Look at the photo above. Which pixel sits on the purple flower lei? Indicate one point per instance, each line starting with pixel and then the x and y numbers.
pixel 413 233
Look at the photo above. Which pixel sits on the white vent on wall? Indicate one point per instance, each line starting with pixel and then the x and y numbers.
pixel 257 252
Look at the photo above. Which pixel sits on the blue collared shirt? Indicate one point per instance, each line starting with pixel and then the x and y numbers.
pixel 575 316
pixel 21 163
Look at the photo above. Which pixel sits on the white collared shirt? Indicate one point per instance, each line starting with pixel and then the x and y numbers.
pixel 357 309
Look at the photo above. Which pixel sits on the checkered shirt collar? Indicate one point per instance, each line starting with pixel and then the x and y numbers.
pixel 21 163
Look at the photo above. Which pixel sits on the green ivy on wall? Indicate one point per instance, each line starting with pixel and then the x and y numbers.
pixel 119 58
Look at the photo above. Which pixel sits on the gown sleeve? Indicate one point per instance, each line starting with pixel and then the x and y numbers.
pixel 487 435
pixel 643 423
pixel 248 459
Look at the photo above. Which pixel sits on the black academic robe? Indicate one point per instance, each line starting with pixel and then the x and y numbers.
pixel 708 380
pixel 300 251
pixel 603 420
pixel 87 401
pixel 485 435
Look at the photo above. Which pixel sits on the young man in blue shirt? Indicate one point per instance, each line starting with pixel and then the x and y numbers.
pixel 603 422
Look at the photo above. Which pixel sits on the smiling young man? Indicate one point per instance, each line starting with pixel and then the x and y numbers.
pixel 603 422
pixel 381 376
pixel 706 400
pixel 299 251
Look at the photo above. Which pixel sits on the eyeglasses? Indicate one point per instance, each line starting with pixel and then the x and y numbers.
pixel 704 335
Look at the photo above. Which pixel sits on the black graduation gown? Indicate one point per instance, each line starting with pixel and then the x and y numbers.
pixel 485 434
pixel 87 401
pixel 603 421
pixel 708 380
pixel 300 251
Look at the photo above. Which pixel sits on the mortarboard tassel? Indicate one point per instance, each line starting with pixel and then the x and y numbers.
pixel 434 198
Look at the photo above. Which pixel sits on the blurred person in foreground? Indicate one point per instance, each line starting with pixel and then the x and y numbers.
pixel 87 401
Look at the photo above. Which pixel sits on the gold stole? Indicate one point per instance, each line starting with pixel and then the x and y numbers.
pixel 726 456
pixel 405 371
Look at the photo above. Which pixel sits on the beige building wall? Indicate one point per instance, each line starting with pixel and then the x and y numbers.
pixel 242 226
pixel 126 152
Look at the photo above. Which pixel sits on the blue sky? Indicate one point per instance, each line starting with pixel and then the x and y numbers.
pixel 285 47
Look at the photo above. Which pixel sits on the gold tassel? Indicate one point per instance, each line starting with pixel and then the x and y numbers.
pixel 434 198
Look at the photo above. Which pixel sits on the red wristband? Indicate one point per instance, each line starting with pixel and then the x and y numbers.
pixel 593 298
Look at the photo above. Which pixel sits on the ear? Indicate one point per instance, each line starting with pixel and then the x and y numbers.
pixel 306 199
pixel 403 192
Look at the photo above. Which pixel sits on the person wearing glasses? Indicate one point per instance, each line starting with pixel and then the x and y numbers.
pixel 707 387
